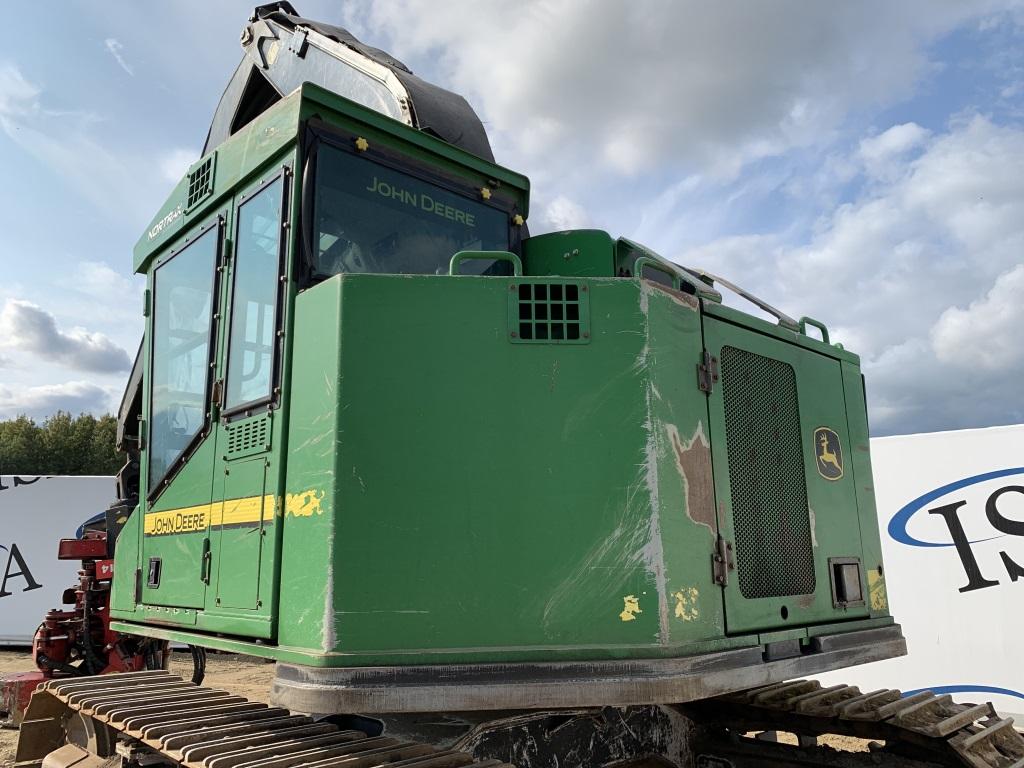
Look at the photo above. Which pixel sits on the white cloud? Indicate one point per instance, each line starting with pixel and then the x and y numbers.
pixel 893 269
pixel 563 213
pixel 29 328
pixel 120 185
pixel 43 401
pixel 114 47
pixel 986 337
pixel 175 163
pixel 880 152
pixel 105 285
pixel 568 87
pixel 17 95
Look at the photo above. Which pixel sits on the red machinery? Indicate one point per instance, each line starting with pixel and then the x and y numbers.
pixel 77 640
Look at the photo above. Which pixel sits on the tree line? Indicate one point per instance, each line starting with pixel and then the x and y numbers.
pixel 61 445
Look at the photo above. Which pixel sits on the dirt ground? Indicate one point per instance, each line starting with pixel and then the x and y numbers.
pixel 239 675
pixel 251 678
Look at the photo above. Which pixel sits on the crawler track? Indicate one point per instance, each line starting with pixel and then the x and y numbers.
pixel 156 718
pixel 159 718
pixel 921 728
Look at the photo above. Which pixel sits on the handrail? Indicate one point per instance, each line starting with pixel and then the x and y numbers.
pixel 461 256
pixel 784 320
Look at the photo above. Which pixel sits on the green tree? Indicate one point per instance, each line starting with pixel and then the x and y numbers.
pixel 104 458
pixel 61 445
pixel 20 448
pixel 58 445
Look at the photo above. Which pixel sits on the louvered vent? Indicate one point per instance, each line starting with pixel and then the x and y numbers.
pixel 245 438
pixel 774 553
pixel 549 313
pixel 200 182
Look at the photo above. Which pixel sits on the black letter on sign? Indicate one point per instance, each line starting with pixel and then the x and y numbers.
pixel 963 547
pixel 25 573
pixel 1012 527
pixel 1000 523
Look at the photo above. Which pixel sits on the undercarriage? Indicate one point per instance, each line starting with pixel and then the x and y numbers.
pixel 156 718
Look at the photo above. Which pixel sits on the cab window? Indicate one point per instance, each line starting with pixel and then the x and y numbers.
pixel 183 290
pixel 370 217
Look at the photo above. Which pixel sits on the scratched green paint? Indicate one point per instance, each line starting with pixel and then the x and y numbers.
pixel 445 494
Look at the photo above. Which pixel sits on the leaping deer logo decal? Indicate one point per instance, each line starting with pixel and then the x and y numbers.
pixel 828 453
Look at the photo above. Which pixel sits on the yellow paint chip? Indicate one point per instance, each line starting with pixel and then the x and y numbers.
pixel 630 608
pixel 686 604
pixel 876 591
pixel 304 503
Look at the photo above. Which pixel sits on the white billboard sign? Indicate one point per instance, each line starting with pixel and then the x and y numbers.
pixel 951 514
pixel 35 513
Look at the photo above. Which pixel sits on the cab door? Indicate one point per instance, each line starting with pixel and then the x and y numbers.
pixel 790 510
pixel 180 447
pixel 244 538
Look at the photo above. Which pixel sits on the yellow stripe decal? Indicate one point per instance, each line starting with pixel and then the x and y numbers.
pixel 202 516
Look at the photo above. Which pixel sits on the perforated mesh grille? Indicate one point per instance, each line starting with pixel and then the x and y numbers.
pixel 247 436
pixel 774 555
pixel 550 313
pixel 200 182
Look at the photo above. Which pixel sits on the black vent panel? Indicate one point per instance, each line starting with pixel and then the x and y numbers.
pixel 771 517
pixel 200 182
pixel 244 438
pixel 549 313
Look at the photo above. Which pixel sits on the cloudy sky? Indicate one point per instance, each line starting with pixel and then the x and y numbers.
pixel 862 163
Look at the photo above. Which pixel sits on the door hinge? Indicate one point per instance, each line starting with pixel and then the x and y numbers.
pixel 722 562
pixel 207 559
pixel 707 372
pixel 217 398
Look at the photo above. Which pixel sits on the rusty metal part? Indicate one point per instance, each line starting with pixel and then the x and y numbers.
pixel 157 717
pixel 923 727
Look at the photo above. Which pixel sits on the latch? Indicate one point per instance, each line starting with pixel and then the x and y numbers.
pixel 207 559
pixel 707 372
pixel 722 561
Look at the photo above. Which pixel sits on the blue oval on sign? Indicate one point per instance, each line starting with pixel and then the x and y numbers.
pixel 898 524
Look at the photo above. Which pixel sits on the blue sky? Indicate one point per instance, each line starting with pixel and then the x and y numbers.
pixel 860 163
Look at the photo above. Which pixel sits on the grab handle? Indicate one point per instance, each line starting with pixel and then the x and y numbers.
pixel 805 321
pixel 461 256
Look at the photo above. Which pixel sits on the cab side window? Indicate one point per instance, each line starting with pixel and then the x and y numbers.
pixel 254 300
pixel 183 289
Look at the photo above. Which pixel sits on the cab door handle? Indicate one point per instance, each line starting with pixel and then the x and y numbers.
pixel 204 572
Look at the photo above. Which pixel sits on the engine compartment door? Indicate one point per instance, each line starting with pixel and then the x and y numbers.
pixel 790 534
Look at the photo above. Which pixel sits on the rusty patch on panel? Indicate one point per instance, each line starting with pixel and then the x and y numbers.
pixel 693 460
pixel 680 298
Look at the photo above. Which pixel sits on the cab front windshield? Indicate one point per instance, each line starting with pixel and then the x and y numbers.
pixel 372 218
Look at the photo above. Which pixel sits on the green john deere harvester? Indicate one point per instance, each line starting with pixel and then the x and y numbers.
pixel 544 500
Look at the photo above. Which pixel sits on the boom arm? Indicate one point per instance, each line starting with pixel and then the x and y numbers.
pixel 283 50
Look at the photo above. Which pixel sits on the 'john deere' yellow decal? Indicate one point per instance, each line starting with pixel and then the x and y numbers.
pixel 828 453
pixel 246 511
